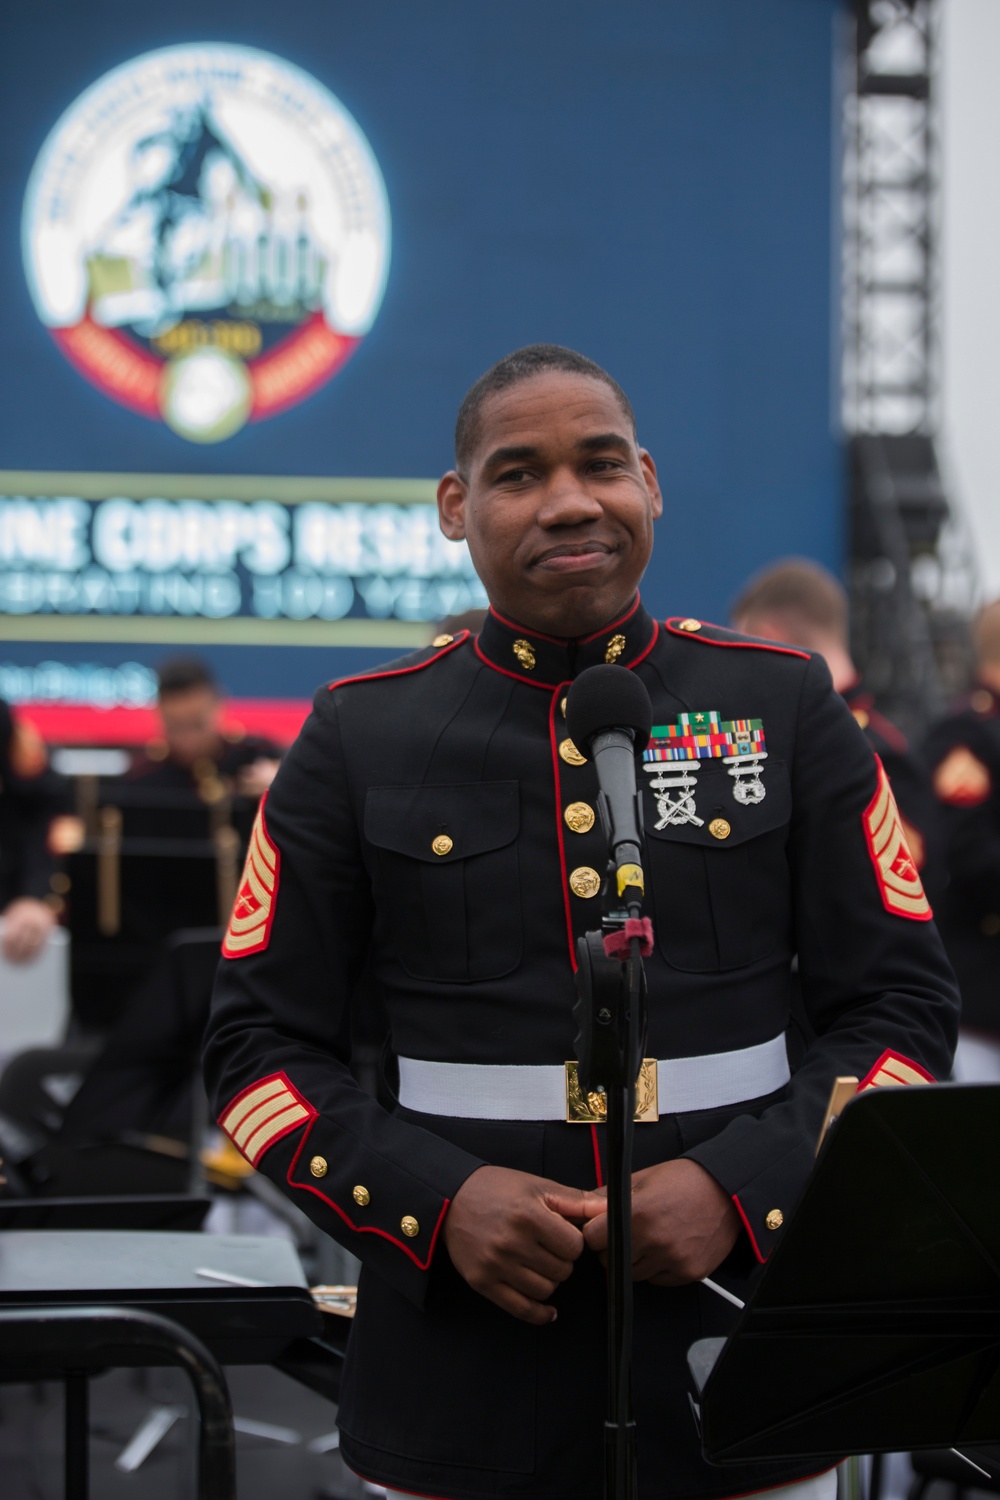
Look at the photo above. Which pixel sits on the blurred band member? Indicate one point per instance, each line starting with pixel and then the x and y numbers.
pixel 964 754
pixel 195 747
pixel 801 603
pixel 29 800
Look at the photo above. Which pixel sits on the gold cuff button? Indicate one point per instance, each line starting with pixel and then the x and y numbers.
pixel 318 1166
pixel 442 640
pixel 616 646
pixel 570 754
pixel 409 1226
pixel 585 882
pixel 442 844
pixel 775 1219
pixel 691 625
pixel 719 828
pixel 579 817
pixel 361 1196
pixel 522 650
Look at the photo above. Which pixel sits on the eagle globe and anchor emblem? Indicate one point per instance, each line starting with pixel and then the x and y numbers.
pixel 206 236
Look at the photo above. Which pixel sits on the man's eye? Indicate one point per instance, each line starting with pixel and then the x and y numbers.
pixel 604 465
pixel 512 476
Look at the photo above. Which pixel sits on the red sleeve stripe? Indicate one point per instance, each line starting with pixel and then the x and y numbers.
pixel 262 1114
pixel 746 1226
pixel 893 1070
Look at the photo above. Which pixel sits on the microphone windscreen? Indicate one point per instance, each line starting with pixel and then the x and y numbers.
pixel 608 698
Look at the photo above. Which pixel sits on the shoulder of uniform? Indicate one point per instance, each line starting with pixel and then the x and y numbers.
pixel 688 628
pixel 428 656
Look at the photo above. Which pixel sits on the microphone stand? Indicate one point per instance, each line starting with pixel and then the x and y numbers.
pixel 611 1012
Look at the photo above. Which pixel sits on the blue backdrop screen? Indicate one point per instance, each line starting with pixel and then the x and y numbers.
pixel 248 281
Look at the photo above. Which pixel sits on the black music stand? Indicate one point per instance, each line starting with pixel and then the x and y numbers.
pixel 876 1325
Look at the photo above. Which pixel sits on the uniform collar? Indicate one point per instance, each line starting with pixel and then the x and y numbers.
pixel 546 661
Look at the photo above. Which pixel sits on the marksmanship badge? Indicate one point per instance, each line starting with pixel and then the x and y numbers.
pixel 674 756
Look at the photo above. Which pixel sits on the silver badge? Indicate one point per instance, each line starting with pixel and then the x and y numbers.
pixel 673 786
pixel 746 772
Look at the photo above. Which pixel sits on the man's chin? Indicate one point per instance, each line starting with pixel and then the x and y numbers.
pixel 570 605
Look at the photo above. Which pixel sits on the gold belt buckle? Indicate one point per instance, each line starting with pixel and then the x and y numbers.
pixel 592 1108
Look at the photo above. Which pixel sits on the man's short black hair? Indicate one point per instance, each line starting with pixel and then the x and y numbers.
pixel 182 674
pixel 534 359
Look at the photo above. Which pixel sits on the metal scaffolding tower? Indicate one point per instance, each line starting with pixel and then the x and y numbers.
pixel 911 572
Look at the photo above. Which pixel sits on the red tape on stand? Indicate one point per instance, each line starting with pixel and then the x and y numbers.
pixel 616 944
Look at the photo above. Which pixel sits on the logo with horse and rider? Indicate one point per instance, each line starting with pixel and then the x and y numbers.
pixel 206 236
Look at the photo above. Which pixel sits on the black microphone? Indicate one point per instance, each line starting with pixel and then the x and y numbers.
pixel 609 718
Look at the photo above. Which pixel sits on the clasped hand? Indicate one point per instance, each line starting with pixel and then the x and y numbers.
pixel 515 1238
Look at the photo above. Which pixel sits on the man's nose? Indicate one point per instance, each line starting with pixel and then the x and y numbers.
pixel 566 501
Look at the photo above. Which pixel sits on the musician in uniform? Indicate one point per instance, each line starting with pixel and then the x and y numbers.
pixel 964 755
pixel 30 798
pixel 196 751
pixel 436 814
pixel 802 603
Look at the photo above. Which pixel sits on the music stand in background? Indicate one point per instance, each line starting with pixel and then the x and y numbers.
pixel 875 1327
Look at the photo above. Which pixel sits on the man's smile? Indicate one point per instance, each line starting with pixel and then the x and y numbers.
pixel 573 557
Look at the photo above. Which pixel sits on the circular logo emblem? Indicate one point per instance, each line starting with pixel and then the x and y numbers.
pixel 206 235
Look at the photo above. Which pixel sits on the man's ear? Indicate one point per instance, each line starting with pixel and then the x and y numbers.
pixel 652 483
pixel 451 493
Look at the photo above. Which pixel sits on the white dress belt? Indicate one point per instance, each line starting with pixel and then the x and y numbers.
pixel 511 1091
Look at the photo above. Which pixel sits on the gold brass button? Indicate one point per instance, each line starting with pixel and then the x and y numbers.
pixel 318 1166
pixel 409 1226
pixel 562 705
pixel 775 1219
pixel 522 650
pixel 616 646
pixel 719 828
pixel 443 844
pixel 861 717
pixel 691 625
pixel 585 882
pixel 570 754
pixel 361 1196
pixel 580 817
pixel 442 640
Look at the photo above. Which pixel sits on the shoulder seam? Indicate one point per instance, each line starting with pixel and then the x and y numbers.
pixel 747 645
pixel 401 671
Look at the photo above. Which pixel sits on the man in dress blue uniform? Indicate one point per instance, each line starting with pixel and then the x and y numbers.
pixel 436 814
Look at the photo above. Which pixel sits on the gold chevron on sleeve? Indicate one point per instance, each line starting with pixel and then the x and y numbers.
pixel 262 1114
pixel 895 868
pixel 253 911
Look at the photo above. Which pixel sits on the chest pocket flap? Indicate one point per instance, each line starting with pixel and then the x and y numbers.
pixel 475 816
pixel 722 896
pixel 446 866
pixel 713 798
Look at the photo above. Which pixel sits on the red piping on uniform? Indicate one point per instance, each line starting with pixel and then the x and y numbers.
pixel 586 640
pixel 517 676
pixel 419 1494
pixel 693 635
pixel 559 825
pixel 645 650
pixel 459 640
pixel 307 1187
pixel 888 1055
pixel 753 1237
pixel 265 937
pixel 553 640
pixel 895 737
pixel 597 1155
